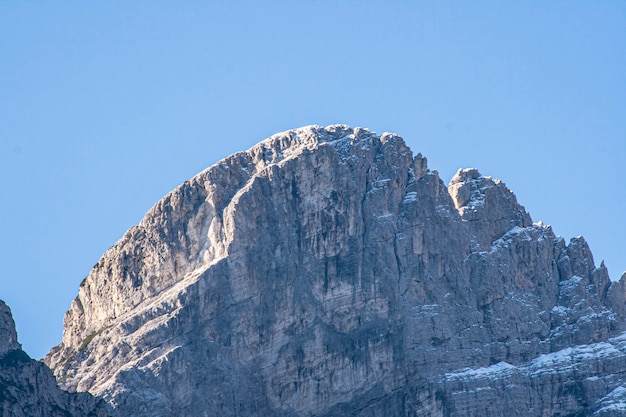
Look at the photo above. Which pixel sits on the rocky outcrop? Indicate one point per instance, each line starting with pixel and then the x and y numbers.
pixel 8 335
pixel 28 388
pixel 327 271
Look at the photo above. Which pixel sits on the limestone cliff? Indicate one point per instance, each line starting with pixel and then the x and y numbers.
pixel 28 388
pixel 328 271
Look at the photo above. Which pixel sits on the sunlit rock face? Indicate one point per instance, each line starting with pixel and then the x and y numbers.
pixel 28 388
pixel 328 271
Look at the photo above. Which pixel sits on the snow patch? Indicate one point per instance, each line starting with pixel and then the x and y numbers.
pixel 410 197
pixel 499 370
pixel 381 183
pixel 616 400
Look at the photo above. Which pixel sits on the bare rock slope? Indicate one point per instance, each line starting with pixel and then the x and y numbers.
pixel 28 388
pixel 328 271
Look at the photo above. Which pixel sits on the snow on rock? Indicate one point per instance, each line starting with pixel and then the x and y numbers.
pixel 530 387
pixel 488 206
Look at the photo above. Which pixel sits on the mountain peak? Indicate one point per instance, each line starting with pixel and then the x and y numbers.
pixel 327 271
pixel 291 143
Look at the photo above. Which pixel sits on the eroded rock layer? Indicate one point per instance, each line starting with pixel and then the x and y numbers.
pixel 328 271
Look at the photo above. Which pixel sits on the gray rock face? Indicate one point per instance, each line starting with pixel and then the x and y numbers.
pixel 8 335
pixel 327 271
pixel 28 388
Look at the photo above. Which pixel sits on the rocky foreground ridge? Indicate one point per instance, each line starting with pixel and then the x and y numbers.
pixel 28 388
pixel 327 272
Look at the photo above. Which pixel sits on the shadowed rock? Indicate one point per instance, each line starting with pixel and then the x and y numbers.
pixel 28 388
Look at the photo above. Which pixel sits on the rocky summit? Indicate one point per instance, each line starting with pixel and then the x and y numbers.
pixel 328 272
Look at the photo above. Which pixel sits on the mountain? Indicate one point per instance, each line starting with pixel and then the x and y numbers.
pixel 28 388
pixel 329 272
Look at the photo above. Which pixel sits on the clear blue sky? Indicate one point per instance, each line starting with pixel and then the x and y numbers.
pixel 106 106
